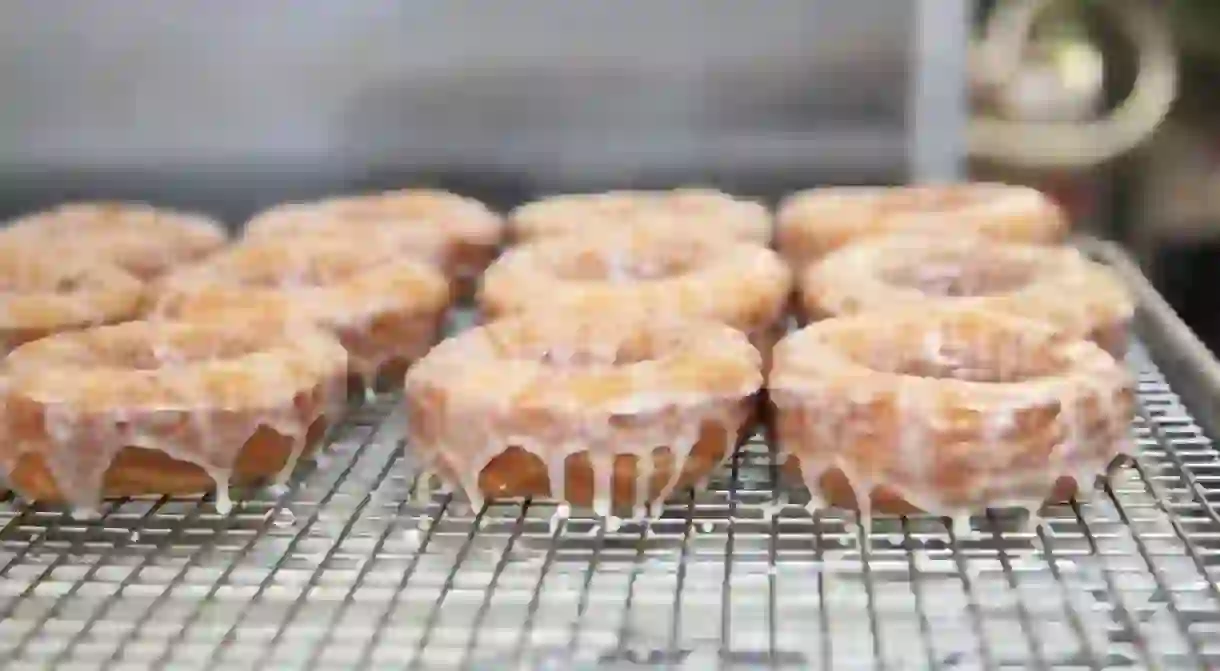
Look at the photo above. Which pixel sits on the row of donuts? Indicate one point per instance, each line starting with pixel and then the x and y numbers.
pixel 148 354
pixel 302 264
pixel 962 359
pixel 958 357
pixel 460 236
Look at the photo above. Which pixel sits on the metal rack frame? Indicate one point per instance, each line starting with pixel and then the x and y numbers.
pixel 344 568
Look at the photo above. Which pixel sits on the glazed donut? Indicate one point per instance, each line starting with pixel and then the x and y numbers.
pixel 457 234
pixel 43 295
pixel 163 408
pixel 693 211
pixel 741 284
pixel 145 241
pixel 946 410
pixel 814 222
pixel 1057 285
pixel 386 311
pixel 605 414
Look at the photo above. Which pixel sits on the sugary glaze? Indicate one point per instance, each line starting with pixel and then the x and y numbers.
pixel 166 408
pixel 1057 285
pixel 387 311
pixel 609 414
pixel 692 211
pixel 741 284
pixel 814 222
pixel 946 410
pixel 40 294
pixel 457 234
pixel 144 240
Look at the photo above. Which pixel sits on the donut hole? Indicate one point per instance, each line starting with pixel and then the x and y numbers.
pixel 273 265
pixel 560 346
pixel 153 356
pixel 625 265
pixel 19 274
pixel 960 273
pixel 300 271
pixel 951 351
pixel 580 356
pixel 66 285
pixel 564 358
pixel 31 282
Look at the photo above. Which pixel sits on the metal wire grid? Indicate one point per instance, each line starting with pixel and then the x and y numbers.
pixel 344 569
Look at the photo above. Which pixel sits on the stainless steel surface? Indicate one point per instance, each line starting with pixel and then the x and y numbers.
pixel 238 110
pixel 1180 353
pixel 939 105
pixel 344 568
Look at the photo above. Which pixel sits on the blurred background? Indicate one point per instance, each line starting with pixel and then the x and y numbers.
pixel 1107 104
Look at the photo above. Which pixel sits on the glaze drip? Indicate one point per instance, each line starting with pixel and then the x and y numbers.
pixel 197 394
pixel 603 390
pixel 997 410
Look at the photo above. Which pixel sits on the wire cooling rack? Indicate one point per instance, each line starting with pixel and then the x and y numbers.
pixel 346 568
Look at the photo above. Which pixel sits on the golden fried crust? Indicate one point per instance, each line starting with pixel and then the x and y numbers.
pixel 946 410
pixel 44 294
pixel 459 235
pixel 615 414
pixel 812 223
pixel 694 212
pixel 145 241
pixel 386 310
pixel 1055 285
pixel 166 407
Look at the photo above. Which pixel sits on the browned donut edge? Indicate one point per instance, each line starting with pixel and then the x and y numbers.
pixel 397 338
pixel 517 473
pixel 836 491
pixel 464 265
pixel 140 472
pixel 953 474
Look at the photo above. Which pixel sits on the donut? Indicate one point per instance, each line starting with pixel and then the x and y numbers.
pixel 693 211
pixel 387 311
pixel 946 410
pixel 814 222
pixel 457 234
pixel 171 408
pixel 740 284
pixel 610 415
pixel 1057 285
pixel 145 241
pixel 43 295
